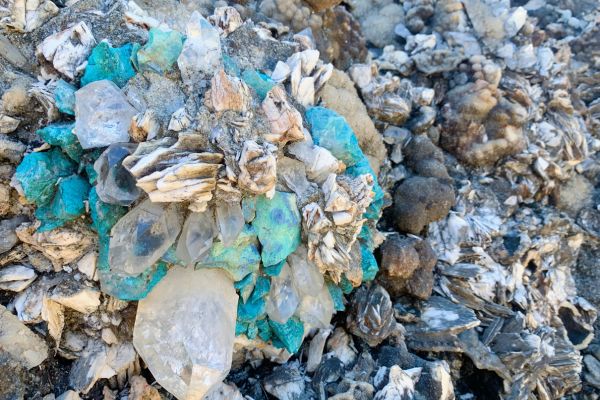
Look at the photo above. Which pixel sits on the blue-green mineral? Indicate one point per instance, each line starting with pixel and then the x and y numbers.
pixel 277 224
pixel 258 81
pixel 39 173
pixel 254 308
pixel 368 264
pixel 68 203
pixel 64 97
pixel 112 63
pixel 288 335
pixel 331 131
pixel 160 52
pixel 239 259
pixel 62 135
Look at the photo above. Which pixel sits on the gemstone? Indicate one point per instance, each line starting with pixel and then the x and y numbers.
pixel 283 297
pixel 62 135
pixel 188 359
pixel 201 54
pixel 107 62
pixel 160 52
pixel 196 238
pixel 230 219
pixel 142 236
pixel 115 184
pixel 64 97
pixel 102 115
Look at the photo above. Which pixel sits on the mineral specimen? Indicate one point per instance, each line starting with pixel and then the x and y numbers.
pixel 102 115
pixel 188 359
pixel 114 184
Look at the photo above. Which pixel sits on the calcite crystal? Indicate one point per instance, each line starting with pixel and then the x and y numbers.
pixel 115 185
pixel 102 115
pixel 188 359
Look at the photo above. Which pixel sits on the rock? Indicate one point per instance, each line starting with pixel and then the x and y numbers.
pixel 441 315
pixel 407 266
pixel 339 94
pixel 227 93
pixel 160 52
pixel 285 383
pixel 140 390
pixel 102 115
pixel 196 237
pixel 115 184
pixel 142 236
pixel 62 135
pixel 8 124
pixel 170 345
pixel 277 224
pixel 69 395
pixel 8 237
pixel 76 296
pixel 110 63
pixel 64 97
pixel 222 392
pixel 201 53
pixel 372 315
pixel 435 381
pixel 401 384
pixel 419 201
pixel 68 204
pixel 99 361
pixel 13 378
pixel 19 342
pixel 230 220
pixel 283 296
pixel 16 278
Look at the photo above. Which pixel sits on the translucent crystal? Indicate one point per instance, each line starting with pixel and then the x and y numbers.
pixel 230 219
pixel 307 277
pixel 201 54
pixel 283 297
pixel 196 238
pixel 142 236
pixel 316 311
pixel 102 115
pixel 186 358
pixel 116 185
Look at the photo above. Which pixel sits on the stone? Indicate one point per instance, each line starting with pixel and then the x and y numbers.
pixel 19 342
pixel 107 62
pixel 115 184
pixel 316 311
pixel 64 97
pixel 288 335
pixel 142 236
pixel 76 296
pixel 307 277
pixel 401 384
pixel 196 237
pixel 258 81
pixel 67 205
pixel 277 224
pixel 239 259
pixel 39 172
pixel 16 278
pixel 230 220
pixel 102 115
pixel 372 315
pixel 140 390
pixel 439 314
pixel 285 383
pixel 188 359
pixel 69 395
pixel 201 53
pixel 8 237
pixel 283 297
pixel 161 51
pixel 62 135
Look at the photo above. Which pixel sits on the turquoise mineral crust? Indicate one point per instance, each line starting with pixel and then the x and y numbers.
pixel 67 205
pixel 62 135
pixel 64 97
pixel 112 63
pixel 258 81
pixel 160 52
pixel 277 224
pixel 288 335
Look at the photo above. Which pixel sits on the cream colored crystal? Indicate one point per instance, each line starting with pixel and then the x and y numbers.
pixel 285 120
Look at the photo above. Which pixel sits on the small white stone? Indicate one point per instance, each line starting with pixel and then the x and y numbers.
pixel 87 265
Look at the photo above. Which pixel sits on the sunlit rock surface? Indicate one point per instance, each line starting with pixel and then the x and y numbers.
pixel 186 358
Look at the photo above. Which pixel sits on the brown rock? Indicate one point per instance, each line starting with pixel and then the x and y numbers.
pixel 407 266
pixel 340 95
pixel 320 5
pixel 140 390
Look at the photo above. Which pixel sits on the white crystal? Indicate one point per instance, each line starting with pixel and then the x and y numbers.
pixel 230 219
pixel 316 311
pixel 185 330
pixel 102 115
pixel 201 53
pixel 196 237
pixel 142 236
pixel 283 297
pixel 307 277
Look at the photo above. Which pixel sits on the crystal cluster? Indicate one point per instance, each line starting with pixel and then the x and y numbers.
pixel 225 215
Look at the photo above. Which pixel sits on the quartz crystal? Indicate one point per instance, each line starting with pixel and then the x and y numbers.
pixel 142 236
pixel 231 221
pixel 283 297
pixel 102 115
pixel 196 238
pixel 201 54
pixel 307 277
pixel 185 329
pixel 116 185
pixel 316 311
